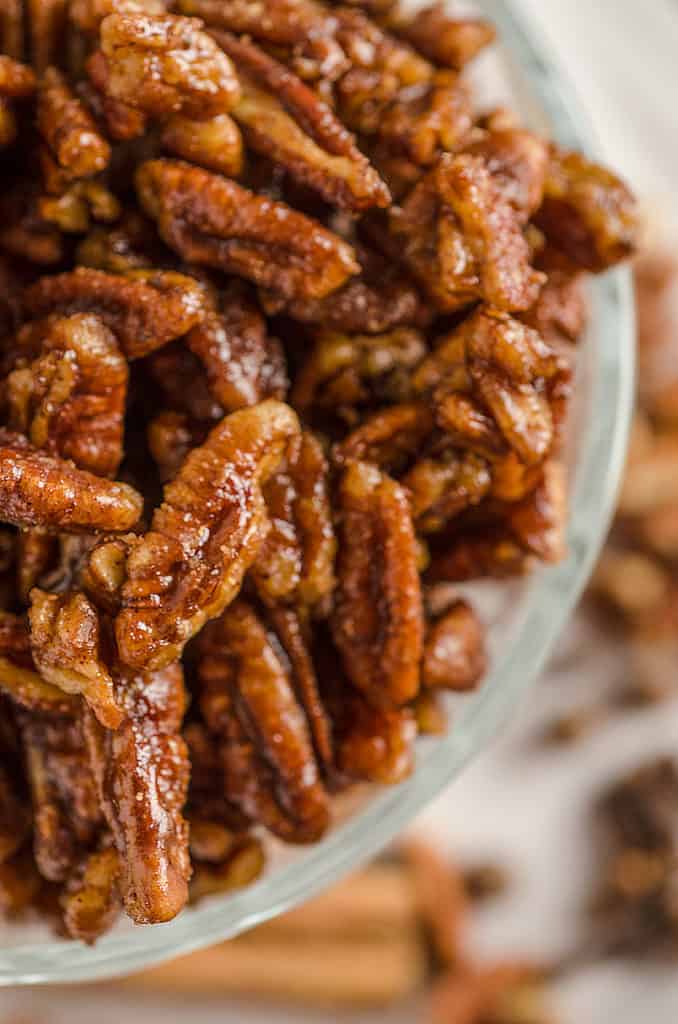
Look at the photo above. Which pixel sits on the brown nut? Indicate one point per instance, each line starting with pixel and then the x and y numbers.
pixel 244 364
pixel 454 650
pixel 141 771
pixel 68 396
pixel 66 644
pixel 243 681
pixel 377 620
pixel 163 64
pixel 588 212
pixel 448 41
pixel 461 238
pixel 287 122
pixel 232 229
pixel 89 900
pixel 203 537
pixel 69 130
pixel 42 490
pixel 295 564
pixel 144 310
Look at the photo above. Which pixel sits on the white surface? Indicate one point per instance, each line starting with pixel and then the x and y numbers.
pixel 527 806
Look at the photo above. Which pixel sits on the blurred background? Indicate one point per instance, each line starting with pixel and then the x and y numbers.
pixel 541 888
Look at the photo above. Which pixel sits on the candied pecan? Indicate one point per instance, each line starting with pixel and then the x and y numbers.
pixel 241 866
pixel 215 144
pixel 538 521
pixel 497 361
pixel 302 29
pixel 163 64
pixel 454 650
pixel 287 122
pixel 244 364
pixel 89 900
pixel 377 620
pixel 448 41
pixel 560 313
pixel 380 298
pixel 588 212
pixel 377 744
pixel 87 15
pixel 145 309
pixel 16 80
pixel 68 392
pixel 294 631
pixel 127 245
pixel 69 130
pixel 381 68
pixel 122 121
pixel 518 162
pixel 12 28
pixel 66 644
pixel 211 221
pixel 203 537
pixel 18 678
pixel 461 239
pixel 171 436
pixel 388 438
pixel 184 386
pixel 245 683
pixel 422 124
pixel 81 203
pixel 41 490
pixel 295 563
pixel 477 553
pixel 141 771
pixel 348 370
pixel 66 813
pixel 102 573
pixel 441 486
pixel 47 21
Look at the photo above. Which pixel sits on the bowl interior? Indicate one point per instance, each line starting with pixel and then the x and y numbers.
pixel 524 619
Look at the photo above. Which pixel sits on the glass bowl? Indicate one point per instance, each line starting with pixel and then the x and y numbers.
pixel 525 619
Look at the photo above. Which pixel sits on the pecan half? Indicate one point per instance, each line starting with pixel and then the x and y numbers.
pixel 287 122
pixel 454 650
pixel 588 212
pixel 377 620
pixel 41 490
pixel 295 564
pixel 66 644
pixel 380 298
pixel 145 309
pixel 215 144
pixel 141 771
pixel 448 41
pixel 18 678
pixel 163 64
pixel 345 371
pixel 66 812
pixel 244 364
pixel 69 130
pixel 302 30
pixel 248 699
pixel 461 238
pixel 89 900
pixel 68 392
pixel 214 222
pixel 203 537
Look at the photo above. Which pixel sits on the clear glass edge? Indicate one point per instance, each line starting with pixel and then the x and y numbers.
pixel 551 598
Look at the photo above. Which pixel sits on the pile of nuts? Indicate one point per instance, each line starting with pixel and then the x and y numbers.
pixel 287 329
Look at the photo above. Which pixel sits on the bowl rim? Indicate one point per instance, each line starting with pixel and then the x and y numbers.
pixel 550 597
